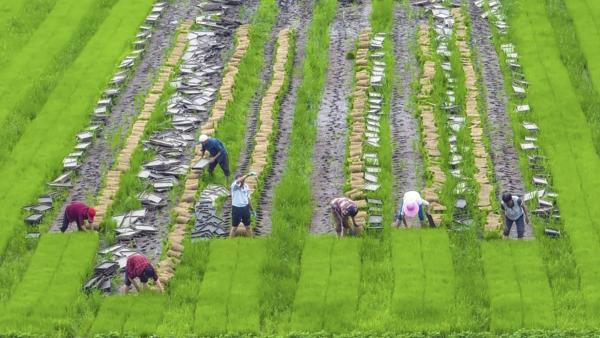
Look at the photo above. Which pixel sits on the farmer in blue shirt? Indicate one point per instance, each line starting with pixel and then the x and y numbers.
pixel 218 154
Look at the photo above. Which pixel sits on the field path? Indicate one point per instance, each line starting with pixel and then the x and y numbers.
pixel 407 163
pixel 332 130
pixel 100 156
pixel 298 18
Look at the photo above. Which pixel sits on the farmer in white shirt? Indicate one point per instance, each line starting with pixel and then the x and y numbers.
pixel 412 205
pixel 514 212
pixel 240 204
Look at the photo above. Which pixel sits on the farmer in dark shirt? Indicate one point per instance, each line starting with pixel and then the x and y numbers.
pixel 514 212
pixel 218 154
pixel 138 266
pixel 77 212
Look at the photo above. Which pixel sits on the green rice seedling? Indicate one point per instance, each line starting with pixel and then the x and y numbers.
pixel 31 80
pixel 211 310
pixel 579 48
pixel 145 315
pixel 19 20
pixel 519 290
pixel 243 307
pixel 309 303
pixel 82 84
pixel 292 205
pixel 184 290
pixel 573 160
pixel 342 291
pixel 112 315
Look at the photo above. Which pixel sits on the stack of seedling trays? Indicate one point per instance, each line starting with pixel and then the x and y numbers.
pixel 208 223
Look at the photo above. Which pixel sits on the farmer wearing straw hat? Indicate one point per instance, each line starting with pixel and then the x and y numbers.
pixel 217 152
pixel 342 208
pixel 79 213
pixel 412 205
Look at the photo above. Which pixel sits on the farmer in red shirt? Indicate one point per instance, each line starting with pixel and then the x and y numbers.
pixel 138 266
pixel 342 208
pixel 78 212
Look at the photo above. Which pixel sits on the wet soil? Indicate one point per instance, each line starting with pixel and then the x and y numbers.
pixel 329 156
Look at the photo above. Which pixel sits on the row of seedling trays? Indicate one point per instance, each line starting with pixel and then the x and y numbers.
pixel 72 162
pixel 543 196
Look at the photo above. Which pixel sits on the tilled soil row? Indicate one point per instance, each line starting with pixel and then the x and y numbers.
pixel 357 127
pixel 113 177
pixel 299 19
pixel 330 146
pixel 184 209
pixel 100 156
pixel 407 159
pixel 262 140
pixel 482 158
pixel 503 152
pixel 430 130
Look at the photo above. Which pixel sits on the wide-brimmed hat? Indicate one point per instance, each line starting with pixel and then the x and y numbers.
pixel 410 209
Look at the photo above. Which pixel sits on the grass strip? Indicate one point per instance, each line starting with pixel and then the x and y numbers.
pixel 145 315
pixel 184 291
pixel 573 161
pixel 242 308
pixel 211 310
pixel 112 315
pixel 292 205
pixel 520 295
pixel 75 94
pixel 342 292
pixel 20 19
pixel 576 32
pixel 310 301
pixel 27 83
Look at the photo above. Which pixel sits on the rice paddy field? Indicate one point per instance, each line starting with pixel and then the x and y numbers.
pixel 103 102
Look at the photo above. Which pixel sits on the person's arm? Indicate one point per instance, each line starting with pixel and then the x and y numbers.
pixel 354 222
pixel 214 158
pixel 525 212
pixel 159 285
pixel 404 221
pixel 136 285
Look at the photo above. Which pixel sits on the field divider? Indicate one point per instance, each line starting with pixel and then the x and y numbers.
pixel 356 179
pixel 191 184
pixel 122 163
pixel 263 139
pixel 482 158
pixel 429 131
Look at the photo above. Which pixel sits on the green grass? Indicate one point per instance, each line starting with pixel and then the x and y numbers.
pixel 211 309
pixel 309 304
pixel 144 317
pixel 57 271
pixel 292 205
pixel 26 82
pixel 573 161
pixel 424 292
pixel 520 296
pixel 112 315
pixel 34 160
pixel 19 20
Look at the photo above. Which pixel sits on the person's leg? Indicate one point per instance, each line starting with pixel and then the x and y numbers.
pixel 65 223
pixel 337 219
pixel 236 218
pixel 224 163
pixel 421 216
pixel 507 226
pixel 246 220
pixel 521 226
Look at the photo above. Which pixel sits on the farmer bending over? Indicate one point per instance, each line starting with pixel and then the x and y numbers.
pixel 79 213
pixel 514 212
pixel 412 205
pixel 217 152
pixel 240 204
pixel 343 208
pixel 138 266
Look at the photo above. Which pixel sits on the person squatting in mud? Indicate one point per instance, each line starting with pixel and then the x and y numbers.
pixel 241 208
pixel 514 211
pixel 138 266
pixel 218 154
pixel 412 205
pixel 343 209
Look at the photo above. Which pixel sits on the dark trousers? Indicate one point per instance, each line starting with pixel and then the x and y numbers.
pixel 240 214
pixel 66 223
pixel 223 162
pixel 520 226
